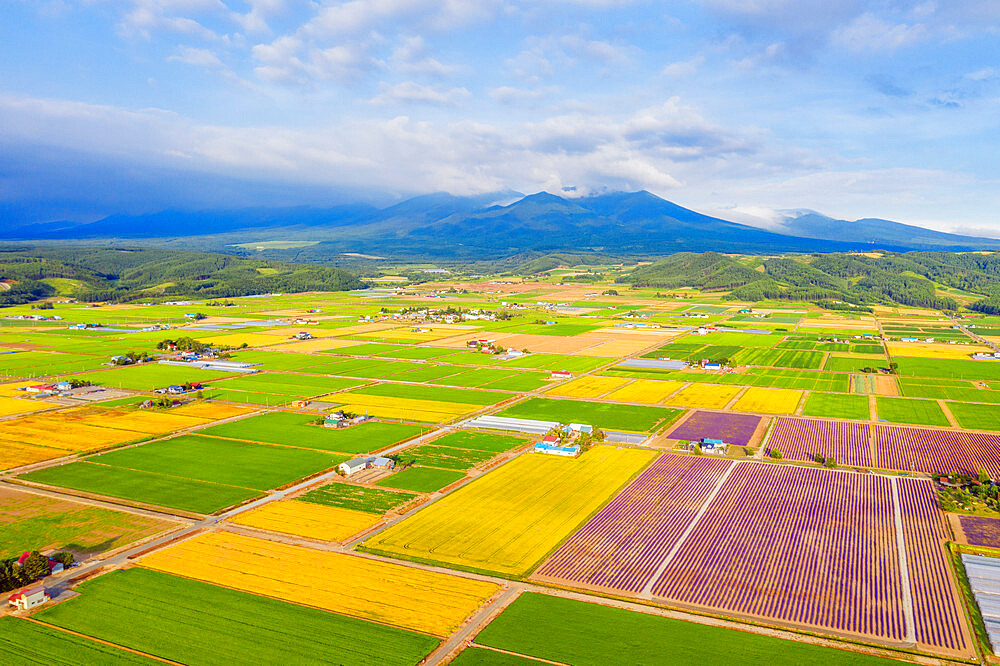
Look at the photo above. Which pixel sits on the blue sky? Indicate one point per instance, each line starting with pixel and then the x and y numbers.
pixel 737 107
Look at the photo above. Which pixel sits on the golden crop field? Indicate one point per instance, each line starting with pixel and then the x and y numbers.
pixel 211 411
pixel 426 334
pixel 93 427
pixel 307 519
pixel 11 390
pixel 146 421
pixel 934 350
pixel 62 434
pixel 508 520
pixel 12 406
pixel 14 454
pixel 426 601
pixel 649 391
pixel 319 344
pixel 237 339
pixel 704 395
pixel 587 387
pixel 768 401
pixel 617 348
pixel 409 409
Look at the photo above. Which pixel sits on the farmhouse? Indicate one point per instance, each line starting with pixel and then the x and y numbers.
pixel 359 464
pixel 353 466
pixel 561 374
pixel 556 450
pixel 28 598
pixel 713 445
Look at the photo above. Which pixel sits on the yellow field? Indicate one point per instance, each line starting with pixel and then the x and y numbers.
pixel 237 339
pixel 14 454
pixel 617 348
pixel 428 334
pixel 433 603
pixel 704 395
pixel 509 519
pixel 645 390
pixel 11 406
pixel 306 519
pixel 768 401
pixel 146 421
pixel 588 387
pixel 212 411
pixel 11 390
pixel 94 427
pixel 320 344
pixel 61 434
pixel 408 409
pixel 934 350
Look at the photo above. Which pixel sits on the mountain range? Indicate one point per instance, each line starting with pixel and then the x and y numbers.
pixel 501 224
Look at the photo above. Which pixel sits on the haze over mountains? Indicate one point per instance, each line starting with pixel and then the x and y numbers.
pixel 503 223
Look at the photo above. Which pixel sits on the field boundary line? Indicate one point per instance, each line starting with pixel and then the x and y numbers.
pixel 759 455
pixel 904 567
pixel 647 589
pixel 101 641
pixel 466 633
pixel 516 654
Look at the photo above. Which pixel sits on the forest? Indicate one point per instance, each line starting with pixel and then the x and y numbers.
pixel 909 278
pixel 120 275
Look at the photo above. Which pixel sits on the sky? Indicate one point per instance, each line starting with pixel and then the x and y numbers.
pixel 740 108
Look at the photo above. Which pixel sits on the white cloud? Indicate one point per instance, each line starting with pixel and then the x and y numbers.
pixel 197 57
pixel 510 95
pixel 411 92
pixel 411 58
pixel 871 33
pixel 683 68
pixel 984 74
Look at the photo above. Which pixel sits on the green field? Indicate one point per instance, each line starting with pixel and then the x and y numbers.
pixel 477 656
pixel 478 441
pixel 224 461
pixel 296 429
pixel 421 479
pixel 946 389
pixel 34 522
pixel 976 417
pixel 145 487
pixel 25 643
pixel 39 363
pixel 601 415
pixel 196 623
pixel 358 498
pixel 947 368
pixel 854 363
pixel 585 634
pixel 437 393
pixel 296 386
pixel 151 376
pixel 555 362
pixel 907 410
pixel 837 406
pixel 778 358
pixel 445 457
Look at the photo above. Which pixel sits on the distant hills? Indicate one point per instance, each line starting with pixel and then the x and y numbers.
pixel 501 224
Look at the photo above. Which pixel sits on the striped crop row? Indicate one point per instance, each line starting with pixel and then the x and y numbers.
pixel 804 439
pixel 622 546
pixel 943 451
pixel 937 620
pixel 798 545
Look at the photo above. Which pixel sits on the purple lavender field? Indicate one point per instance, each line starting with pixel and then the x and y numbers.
pixel 735 429
pixel 980 531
